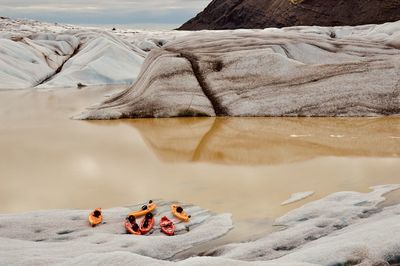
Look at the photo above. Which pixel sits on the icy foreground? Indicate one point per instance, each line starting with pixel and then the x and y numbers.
pixel 345 228
pixel 298 71
pixel 59 236
pixel 36 54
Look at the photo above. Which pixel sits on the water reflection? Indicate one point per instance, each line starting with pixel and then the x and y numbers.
pixel 48 161
pixel 268 141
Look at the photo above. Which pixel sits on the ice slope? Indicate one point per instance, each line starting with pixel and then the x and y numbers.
pixel 27 62
pixel 298 71
pixel 101 59
pixel 44 55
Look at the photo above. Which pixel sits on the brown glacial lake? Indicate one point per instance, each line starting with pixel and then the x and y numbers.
pixel 243 166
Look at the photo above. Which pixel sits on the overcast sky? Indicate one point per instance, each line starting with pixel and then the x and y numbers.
pixel 104 12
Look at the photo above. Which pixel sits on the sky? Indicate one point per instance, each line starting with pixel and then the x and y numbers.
pixel 104 12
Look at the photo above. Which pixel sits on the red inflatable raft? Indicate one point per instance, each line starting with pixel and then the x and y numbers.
pixel 147 223
pixel 167 226
pixel 131 226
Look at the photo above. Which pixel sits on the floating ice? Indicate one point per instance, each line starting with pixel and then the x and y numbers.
pixel 297 197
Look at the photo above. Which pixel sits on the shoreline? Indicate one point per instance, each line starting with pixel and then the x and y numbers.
pixel 356 210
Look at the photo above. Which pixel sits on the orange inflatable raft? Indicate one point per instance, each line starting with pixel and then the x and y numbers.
pixel 95 217
pixel 179 213
pixel 151 206
pixel 131 226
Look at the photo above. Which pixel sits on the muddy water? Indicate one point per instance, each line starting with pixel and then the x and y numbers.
pixel 244 166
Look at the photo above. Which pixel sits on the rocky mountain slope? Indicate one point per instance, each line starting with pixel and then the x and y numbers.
pixel 233 14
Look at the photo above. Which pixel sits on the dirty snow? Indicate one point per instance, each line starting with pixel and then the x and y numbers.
pixel 298 71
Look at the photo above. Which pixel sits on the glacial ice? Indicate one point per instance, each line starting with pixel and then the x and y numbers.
pixel 344 227
pixel 28 62
pixel 44 55
pixel 48 237
pixel 299 71
pixel 297 197
pixel 100 60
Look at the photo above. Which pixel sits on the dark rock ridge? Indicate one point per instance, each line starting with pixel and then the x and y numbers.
pixel 234 14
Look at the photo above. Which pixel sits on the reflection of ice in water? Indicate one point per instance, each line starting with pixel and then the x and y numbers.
pixel 87 166
pixel 336 136
pixel 299 136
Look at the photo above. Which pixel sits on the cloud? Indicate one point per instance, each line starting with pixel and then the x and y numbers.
pixel 104 12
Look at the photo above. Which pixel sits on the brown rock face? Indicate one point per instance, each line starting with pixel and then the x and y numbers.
pixel 234 14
